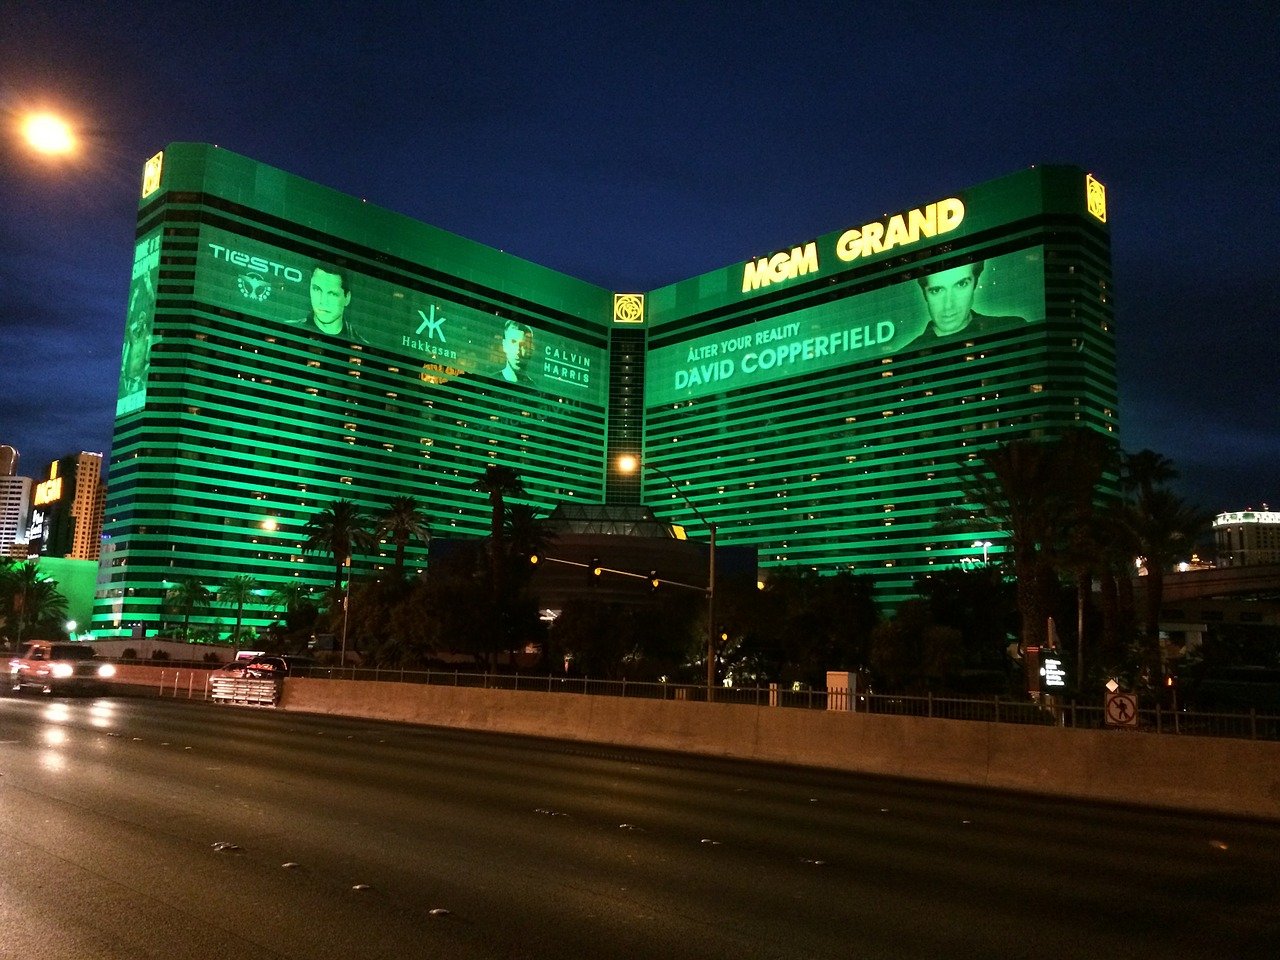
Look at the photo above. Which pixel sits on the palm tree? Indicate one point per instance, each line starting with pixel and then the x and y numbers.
pixel 188 596
pixel 498 482
pixel 30 599
pixel 525 531
pixel 401 522
pixel 1163 526
pixel 236 592
pixel 337 530
pixel 1036 491
pixel 289 596
pixel 1145 470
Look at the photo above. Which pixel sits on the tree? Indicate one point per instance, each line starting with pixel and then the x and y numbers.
pixel 186 597
pixel 29 599
pixel 800 626
pixel 1145 470
pixel 236 592
pixel 499 483
pixel 525 536
pixel 980 604
pixel 338 530
pixel 1163 527
pixel 1035 491
pixel 401 522
pixel 912 652
pixel 290 596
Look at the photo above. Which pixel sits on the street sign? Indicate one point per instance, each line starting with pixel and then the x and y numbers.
pixel 1052 672
pixel 1122 709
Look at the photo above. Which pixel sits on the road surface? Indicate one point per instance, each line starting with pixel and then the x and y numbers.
pixel 137 828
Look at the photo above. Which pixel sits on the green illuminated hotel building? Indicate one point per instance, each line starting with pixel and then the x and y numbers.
pixel 287 345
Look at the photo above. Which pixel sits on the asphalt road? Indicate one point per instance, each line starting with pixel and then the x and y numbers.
pixel 362 839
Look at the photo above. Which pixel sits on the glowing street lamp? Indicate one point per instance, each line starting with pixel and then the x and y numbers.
pixel 48 133
pixel 629 464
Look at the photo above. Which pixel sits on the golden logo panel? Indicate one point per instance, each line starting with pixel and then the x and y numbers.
pixel 151 175
pixel 628 308
pixel 1096 197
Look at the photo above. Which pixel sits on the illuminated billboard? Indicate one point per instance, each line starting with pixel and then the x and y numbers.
pixel 1001 293
pixel 323 296
pixel 135 357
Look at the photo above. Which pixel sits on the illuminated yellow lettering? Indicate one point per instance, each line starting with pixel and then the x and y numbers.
pixel 922 223
pixel 871 236
pixel 784 265
pixel 48 491
pixel 849 245
pixel 896 235
pixel 805 259
pixel 900 230
pixel 950 213
pixel 755 275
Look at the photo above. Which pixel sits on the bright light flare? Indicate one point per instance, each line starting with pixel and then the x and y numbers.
pixel 48 133
pixel 57 713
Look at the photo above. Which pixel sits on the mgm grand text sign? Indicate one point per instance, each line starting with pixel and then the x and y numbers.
pixel 899 230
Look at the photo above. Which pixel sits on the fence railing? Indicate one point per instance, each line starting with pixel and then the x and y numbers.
pixel 1246 724
pixel 1250 724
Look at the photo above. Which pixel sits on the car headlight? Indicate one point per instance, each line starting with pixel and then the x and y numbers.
pixel 61 669
pixel 107 670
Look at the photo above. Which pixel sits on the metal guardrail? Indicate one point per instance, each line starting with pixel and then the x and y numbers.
pixel 242 690
pixel 1249 725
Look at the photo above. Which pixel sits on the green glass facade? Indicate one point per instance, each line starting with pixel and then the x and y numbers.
pixel 287 345
pixel 240 415
pixel 826 417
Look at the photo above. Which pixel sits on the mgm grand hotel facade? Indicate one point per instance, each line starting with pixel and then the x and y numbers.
pixel 287 346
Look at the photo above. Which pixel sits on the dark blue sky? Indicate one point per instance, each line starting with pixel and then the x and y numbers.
pixel 637 144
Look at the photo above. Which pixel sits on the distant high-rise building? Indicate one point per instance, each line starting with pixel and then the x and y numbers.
pixel 8 460
pixel 15 506
pixel 1247 538
pixel 67 509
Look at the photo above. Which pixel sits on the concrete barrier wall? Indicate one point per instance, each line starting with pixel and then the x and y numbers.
pixel 162 681
pixel 1238 777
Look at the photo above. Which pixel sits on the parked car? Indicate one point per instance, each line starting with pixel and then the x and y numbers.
pixel 52 667
pixel 263 667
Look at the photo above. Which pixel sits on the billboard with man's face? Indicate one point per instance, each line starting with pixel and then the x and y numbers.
pixel 325 298
pixel 135 358
pixel 1000 293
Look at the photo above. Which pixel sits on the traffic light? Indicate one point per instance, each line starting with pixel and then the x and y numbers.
pixel 596 569
pixel 535 559
pixel 654 580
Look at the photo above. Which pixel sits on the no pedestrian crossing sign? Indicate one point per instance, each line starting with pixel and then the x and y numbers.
pixel 1122 709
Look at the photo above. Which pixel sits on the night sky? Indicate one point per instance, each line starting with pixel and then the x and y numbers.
pixel 637 144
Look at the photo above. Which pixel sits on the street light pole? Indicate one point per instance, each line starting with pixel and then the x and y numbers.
pixel 346 609
pixel 711 611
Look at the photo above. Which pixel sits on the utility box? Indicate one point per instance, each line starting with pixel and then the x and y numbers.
pixel 842 690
